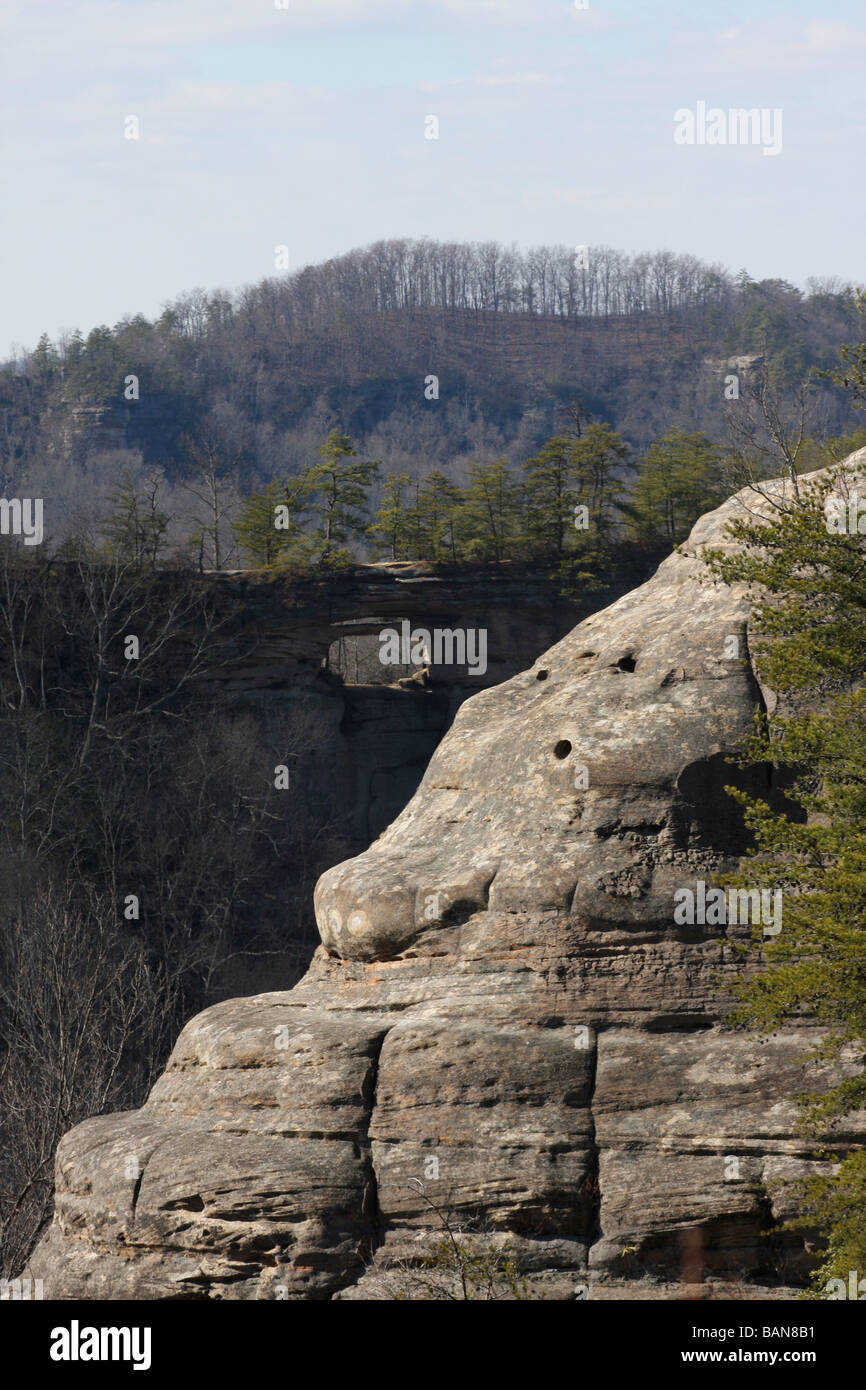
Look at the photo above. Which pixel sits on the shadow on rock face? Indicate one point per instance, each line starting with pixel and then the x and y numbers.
pixel 504 1019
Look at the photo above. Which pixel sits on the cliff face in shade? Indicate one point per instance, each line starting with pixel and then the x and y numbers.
pixel 503 1018
pixel 366 746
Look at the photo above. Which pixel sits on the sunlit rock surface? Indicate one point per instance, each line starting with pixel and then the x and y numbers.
pixel 504 1026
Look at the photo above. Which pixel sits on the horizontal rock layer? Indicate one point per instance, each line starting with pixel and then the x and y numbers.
pixel 504 1028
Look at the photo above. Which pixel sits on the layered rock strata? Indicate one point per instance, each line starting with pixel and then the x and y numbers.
pixel 504 1026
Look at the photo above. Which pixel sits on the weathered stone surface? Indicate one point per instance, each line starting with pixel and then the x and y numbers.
pixel 365 747
pixel 503 1021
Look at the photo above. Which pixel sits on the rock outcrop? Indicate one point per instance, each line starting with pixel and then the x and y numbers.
pixel 365 746
pixel 504 1021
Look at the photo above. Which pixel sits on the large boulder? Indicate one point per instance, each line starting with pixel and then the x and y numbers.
pixel 504 1024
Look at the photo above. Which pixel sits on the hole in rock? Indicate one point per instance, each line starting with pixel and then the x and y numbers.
pixel 584 654
pixel 542 675
pixel 626 663
pixel 562 749
pixel 193 1203
pixel 460 911
pixel 677 1023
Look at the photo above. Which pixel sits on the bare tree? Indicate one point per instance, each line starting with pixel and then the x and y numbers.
pixel 214 484
pixel 78 1013
pixel 768 429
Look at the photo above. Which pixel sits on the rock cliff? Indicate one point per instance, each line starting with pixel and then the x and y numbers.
pixel 366 746
pixel 503 1019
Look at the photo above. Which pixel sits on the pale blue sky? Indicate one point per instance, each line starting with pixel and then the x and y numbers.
pixel 305 126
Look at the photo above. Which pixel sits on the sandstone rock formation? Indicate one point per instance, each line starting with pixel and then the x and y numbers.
pixel 503 1019
pixel 366 746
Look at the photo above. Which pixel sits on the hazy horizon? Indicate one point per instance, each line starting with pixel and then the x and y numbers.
pixel 307 127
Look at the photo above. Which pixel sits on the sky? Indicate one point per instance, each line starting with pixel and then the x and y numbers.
pixel 306 126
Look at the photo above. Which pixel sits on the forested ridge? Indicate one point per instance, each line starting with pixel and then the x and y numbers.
pixel 431 357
